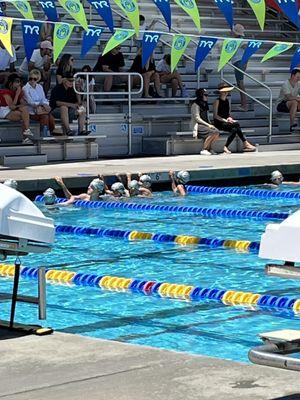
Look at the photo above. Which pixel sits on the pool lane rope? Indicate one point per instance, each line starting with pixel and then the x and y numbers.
pixel 159 289
pixel 266 194
pixel 184 240
pixel 204 212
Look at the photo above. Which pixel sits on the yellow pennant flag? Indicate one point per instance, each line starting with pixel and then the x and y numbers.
pixel 23 6
pixel 5 33
pixel 229 48
pixel 76 10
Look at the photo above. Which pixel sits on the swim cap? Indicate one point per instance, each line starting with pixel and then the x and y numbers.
pixel 183 177
pixel 276 175
pixel 97 184
pixel 11 183
pixel 49 196
pixel 118 187
pixel 145 180
pixel 133 185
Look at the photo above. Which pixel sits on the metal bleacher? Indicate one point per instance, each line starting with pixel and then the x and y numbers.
pixel 158 123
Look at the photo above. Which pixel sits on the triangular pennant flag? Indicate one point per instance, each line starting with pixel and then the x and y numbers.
pixel 229 48
pixel 61 35
pixel 31 35
pixel 190 7
pixel 226 7
pixel 150 40
pixel 24 8
pixel 90 38
pixel 131 10
pixel 165 8
pixel 104 10
pixel 251 48
pixel 118 38
pixel 205 45
pixel 295 63
pixel 259 9
pixel 75 9
pixel 179 45
pixel 49 9
pixel 276 49
pixel 5 33
pixel 290 9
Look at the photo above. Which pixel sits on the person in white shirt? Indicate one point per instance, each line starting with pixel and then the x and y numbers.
pixel 7 62
pixel 289 98
pixel 163 67
pixel 41 60
pixel 38 105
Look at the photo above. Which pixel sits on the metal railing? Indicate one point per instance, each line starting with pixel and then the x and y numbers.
pixel 268 107
pixel 128 99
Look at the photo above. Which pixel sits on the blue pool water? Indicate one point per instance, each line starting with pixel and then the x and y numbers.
pixel 207 327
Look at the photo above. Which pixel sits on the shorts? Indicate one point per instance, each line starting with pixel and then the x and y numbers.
pixel 118 79
pixel 71 111
pixel 4 111
pixel 205 131
pixel 238 75
pixel 282 107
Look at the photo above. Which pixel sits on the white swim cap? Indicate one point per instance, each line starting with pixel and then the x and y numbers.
pixel 118 187
pixel 134 185
pixel 11 183
pixel 146 181
pixel 97 184
pixel 276 175
pixel 183 176
pixel 49 196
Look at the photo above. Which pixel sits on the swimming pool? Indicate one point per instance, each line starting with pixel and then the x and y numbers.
pixel 205 327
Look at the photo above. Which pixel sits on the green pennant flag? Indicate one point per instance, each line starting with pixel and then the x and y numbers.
pixel 179 45
pixel 229 48
pixel 190 7
pixel 117 39
pixel 61 35
pixel 131 10
pixel 75 9
pixel 277 49
pixel 259 9
pixel 23 6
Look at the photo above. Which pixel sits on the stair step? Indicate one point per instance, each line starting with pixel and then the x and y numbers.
pixel 17 160
pixel 279 147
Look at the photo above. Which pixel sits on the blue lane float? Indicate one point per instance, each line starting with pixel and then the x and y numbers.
pixel 204 212
pixel 258 193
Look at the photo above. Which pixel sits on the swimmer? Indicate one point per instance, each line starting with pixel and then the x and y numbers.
pixel 145 181
pixel 178 181
pixel 118 190
pixel 95 189
pixel 277 180
pixel 136 189
pixel 11 183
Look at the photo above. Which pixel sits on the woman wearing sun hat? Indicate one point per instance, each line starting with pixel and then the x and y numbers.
pixel 223 120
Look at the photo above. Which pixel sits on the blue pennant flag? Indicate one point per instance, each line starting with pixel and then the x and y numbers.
pixel 290 9
pixel 90 38
pixel 165 8
pixel 226 7
pixel 104 10
pixel 204 47
pixel 49 9
pixel 150 40
pixel 252 48
pixel 31 36
pixel 295 63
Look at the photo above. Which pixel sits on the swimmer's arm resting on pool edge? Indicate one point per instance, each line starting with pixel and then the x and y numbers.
pixel 177 189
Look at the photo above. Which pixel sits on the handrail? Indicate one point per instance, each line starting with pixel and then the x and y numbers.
pixel 269 107
pixel 129 93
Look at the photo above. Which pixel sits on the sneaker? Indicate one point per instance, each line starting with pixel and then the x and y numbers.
pixel 213 153
pixel 84 133
pixel 294 128
pixel 28 133
pixel 205 153
pixel 70 133
pixel 27 141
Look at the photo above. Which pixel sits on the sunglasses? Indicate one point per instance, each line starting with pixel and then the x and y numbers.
pixel 17 81
pixel 71 59
pixel 33 79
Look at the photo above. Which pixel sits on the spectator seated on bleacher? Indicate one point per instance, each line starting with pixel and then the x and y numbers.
pixel 66 105
pixel 112 61
pixel 200 123
pixel 65 66
pixel 41 60
pixel 289 98
pixel 12 106
pixel 47 32
pixel 224 121
pixel 166 76
pixel 82 87
pixel 7 62
pixel 148 72
pixel 38 105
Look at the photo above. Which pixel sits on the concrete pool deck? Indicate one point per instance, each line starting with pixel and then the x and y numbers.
pixel 71 367
pixel 78 174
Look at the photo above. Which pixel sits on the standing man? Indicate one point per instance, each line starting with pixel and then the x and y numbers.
pixel 289 98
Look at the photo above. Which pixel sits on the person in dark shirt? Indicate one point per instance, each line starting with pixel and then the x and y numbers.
pixel 66 105
pixel 113 61
pixel 148 72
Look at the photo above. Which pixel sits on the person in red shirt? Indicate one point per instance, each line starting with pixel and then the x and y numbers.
pixel 12 106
